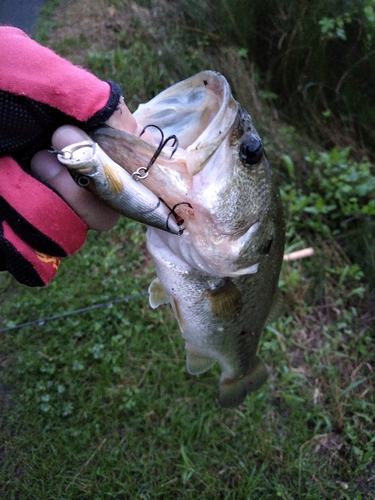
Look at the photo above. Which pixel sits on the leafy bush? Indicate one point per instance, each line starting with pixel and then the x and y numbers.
pixel 318 57
pixel 338 193
pixel 121 65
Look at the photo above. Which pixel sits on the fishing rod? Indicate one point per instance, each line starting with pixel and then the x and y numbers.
pixel 40 322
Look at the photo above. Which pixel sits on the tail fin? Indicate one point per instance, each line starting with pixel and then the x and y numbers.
pixel 232 392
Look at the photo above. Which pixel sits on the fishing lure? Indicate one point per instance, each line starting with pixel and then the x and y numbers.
pixel 94 170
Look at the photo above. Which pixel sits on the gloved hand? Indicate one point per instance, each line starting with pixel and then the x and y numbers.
pixel 39 92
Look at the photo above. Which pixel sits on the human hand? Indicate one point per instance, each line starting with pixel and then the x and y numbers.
pixel 49 170
pixel 122 119
pixel 37 226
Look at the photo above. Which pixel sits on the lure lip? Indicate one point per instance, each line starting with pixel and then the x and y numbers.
pixel 80 157
pixel 137 201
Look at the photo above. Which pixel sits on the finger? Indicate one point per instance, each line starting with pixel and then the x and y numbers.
pixel 68 134
pixel 89 208
pixel 122 119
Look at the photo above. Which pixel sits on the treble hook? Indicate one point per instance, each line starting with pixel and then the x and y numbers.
pixel 137 175
pixel 178 218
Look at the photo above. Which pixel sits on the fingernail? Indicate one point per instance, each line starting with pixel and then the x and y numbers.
pixel 68 134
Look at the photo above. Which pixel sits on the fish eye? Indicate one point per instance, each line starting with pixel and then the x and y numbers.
pixel 251 150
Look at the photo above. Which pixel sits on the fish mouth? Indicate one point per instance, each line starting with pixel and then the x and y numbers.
pixel 200 111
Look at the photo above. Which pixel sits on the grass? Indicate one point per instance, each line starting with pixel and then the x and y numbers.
pixel 99 405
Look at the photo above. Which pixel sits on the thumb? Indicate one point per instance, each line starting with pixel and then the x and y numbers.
pixel 49 170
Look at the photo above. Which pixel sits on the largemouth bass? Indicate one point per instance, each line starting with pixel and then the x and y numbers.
pixel 220 276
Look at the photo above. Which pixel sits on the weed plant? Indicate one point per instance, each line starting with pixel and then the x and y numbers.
pixel 101 405
pixel 316 58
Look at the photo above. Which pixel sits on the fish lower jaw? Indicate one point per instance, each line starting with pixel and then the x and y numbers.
pixel 224 268
pixel 253 269
pixel 228 273
pixel 227 256
pixel 182 255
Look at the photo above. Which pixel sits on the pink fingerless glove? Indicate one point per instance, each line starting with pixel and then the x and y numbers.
pixel 40 91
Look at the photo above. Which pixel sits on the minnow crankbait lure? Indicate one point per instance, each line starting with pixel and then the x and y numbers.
pixel 94 170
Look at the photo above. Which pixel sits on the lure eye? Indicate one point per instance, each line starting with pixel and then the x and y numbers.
pixel 82 181
pixel 251 151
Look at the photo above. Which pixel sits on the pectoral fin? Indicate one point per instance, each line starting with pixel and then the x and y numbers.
pixel 157 294
pixel 196 363
pixel 226 301
pixel 232 392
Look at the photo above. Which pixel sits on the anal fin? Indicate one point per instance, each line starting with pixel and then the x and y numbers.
pixel 196 363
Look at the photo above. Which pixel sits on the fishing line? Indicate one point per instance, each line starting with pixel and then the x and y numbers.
pixel 40 322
